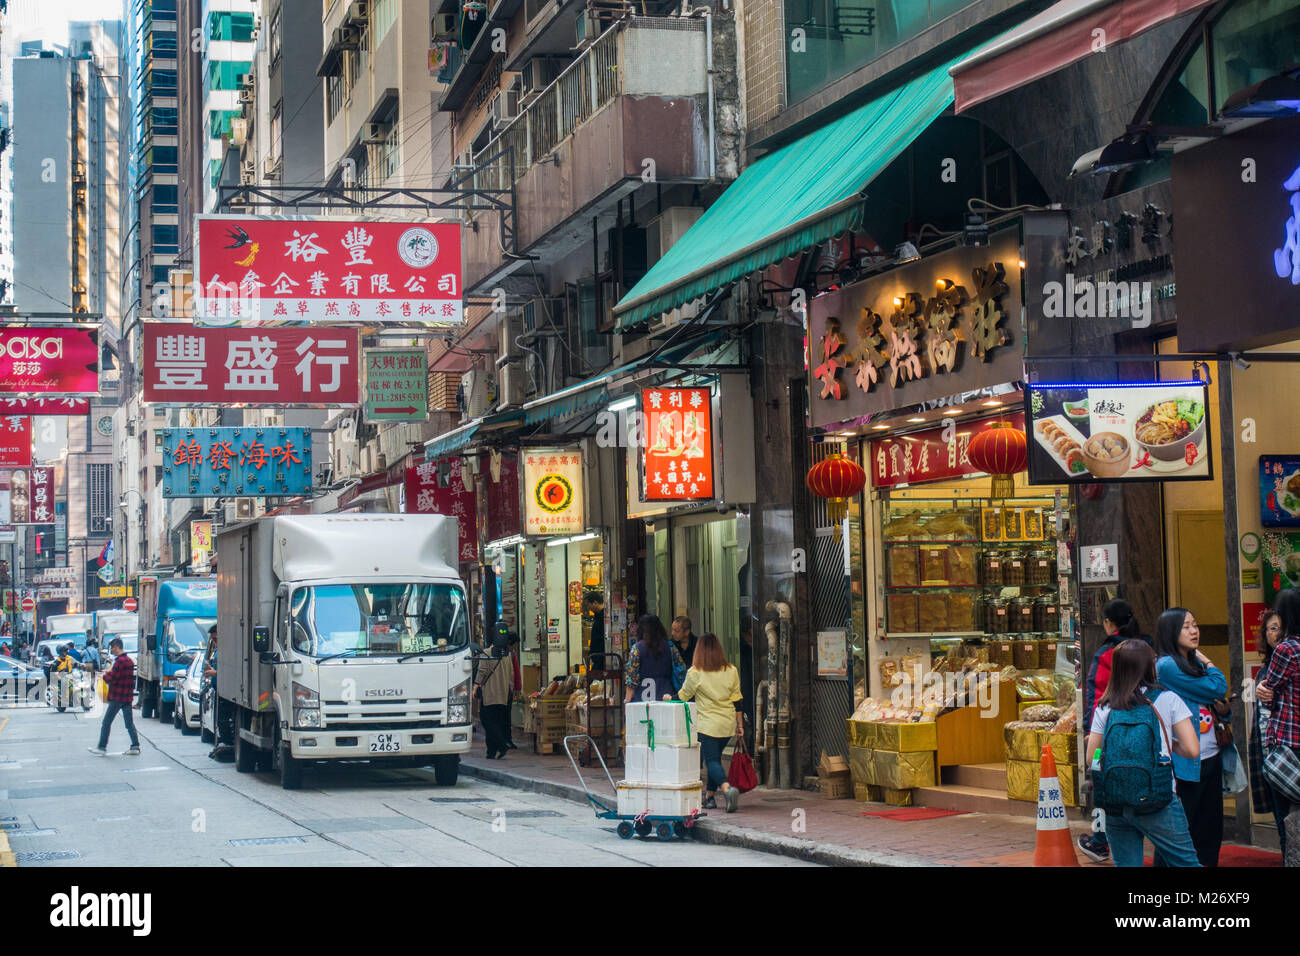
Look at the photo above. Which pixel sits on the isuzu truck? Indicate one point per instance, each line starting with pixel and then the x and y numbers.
pixel 343 637
pixel 175 617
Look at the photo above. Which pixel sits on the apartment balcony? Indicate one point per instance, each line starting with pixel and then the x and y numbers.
pixel 634 103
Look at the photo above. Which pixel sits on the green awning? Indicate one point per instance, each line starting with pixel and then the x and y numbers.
pixel 453 440
pixel 791 199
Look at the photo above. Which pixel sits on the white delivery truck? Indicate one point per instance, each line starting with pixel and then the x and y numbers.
pixel 343 637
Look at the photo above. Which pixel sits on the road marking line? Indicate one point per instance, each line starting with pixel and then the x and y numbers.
pixel 2 724
pixel 6 855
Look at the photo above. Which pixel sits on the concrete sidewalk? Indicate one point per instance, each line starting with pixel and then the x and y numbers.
pixel 804 825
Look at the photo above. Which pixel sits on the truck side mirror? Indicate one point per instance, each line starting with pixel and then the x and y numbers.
pixel 262 640
pixel 151 641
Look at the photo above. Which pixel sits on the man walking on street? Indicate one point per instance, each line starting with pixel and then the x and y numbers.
pixel 684 639
pixel 121 686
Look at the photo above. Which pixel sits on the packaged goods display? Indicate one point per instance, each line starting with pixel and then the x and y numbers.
pixel 1013 568
pixel 1068 721
pixel 1021 737
pixel 1042 712
pixel 961 565
pixel 904 567
pixel 934 566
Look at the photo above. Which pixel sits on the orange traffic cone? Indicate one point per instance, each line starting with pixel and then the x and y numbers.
pixel 1055 846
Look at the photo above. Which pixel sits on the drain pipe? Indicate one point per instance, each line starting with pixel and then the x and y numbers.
pixel 708 53
pixel 781 772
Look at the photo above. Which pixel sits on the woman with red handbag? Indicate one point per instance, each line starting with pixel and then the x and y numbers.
pixel 715 687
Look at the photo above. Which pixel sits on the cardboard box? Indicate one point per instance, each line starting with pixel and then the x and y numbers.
pixel 901 770
pixel 898 798
pixel 836 788
pixel 862 766
pixel 1065 747
pixel 549 707
pixel 530 677
pixel 680 801
pixel 672 766
pixel 874 735
pixel 866 793
pixel 1022 781
pixel 858 733
pixel 676 724
pixel 832 766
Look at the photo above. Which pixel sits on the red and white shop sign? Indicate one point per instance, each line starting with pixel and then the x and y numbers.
pixel 27 496
pixel 44 406
pixel 260 366
pixel 250 268
pixel 426 495
pixel 678 459
pixel 47 360
pixel 15 441
pixel 932 454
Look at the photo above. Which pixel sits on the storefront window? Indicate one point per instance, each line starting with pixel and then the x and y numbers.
pixel 1252 41
pixel 857 603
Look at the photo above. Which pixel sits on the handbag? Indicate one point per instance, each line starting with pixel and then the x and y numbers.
pixel 1235 778
pixel 1282 770
pixel 741 774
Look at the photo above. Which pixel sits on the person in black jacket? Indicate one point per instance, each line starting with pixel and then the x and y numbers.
pixel 684 639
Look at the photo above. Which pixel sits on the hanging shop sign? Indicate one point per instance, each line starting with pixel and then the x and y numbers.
pixel 677 462
pixel 1099 564
pixel 932 454
pixel 553 499
pixel 15 441
pixel 200 543
pixel 1279 491
pixel 225 462
pixel 397 385
pixel 56 576
pixel 1243 293
pixel 1085 433
pixel 44 406
pixel 433 488
pixel 192 365
pixel 500 473
pixel 252 268
pixel 27 496
pixel 1281 560
pixel 48 360
pixel 944 324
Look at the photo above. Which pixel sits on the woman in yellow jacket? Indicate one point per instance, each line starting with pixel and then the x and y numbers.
pixel 715 686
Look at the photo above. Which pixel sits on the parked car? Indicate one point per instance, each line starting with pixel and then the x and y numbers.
pixel 185 716
pixel 20 680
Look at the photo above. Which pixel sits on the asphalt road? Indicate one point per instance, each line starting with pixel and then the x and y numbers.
pixel 174 806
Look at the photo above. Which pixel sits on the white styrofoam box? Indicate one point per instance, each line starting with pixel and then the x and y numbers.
pixel 678 801
pixel 664 765
pixel 669 718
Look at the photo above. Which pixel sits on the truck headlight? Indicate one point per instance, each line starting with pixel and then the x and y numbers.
pixel 306 717
pixel 458 703
pixel 304 697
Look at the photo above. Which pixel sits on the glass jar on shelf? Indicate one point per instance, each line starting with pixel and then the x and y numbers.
pixel 995 616
pixel 1013 568
pixel 991 568
pixel 1020 614
pixel 1047 615
pixel 1040 566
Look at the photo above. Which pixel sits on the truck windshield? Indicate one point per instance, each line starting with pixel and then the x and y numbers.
pixel 186 635
pixel 129 639
pixel 76 638
pixel 379 619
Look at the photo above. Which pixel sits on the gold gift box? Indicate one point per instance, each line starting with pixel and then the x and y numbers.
pixel 862 765
pixel 866 793
pixel 1022 743
pixel 902 770
pixel 873 735
pixel 898 798
pixel 1022 781
pixel 1065 747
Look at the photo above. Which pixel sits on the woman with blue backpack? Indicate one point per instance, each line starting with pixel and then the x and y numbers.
pixel 1183 669
pixel 1138 730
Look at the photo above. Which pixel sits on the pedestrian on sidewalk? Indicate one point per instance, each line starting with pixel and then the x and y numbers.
pixel 1279 690
pixel 714 685
pixel 686 641
pixel 596 644
pixel 492 685
pixel 652 662
pixel 1136 725
pixel 121 686
pixel 1264 796
pixel 1121 625
pixel 90 656
pixel 1183 669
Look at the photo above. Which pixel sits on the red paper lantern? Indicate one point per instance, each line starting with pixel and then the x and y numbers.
pixel 1001 450
pixel 837 479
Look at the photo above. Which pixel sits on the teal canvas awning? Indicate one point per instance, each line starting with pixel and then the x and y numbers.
pixel 791 199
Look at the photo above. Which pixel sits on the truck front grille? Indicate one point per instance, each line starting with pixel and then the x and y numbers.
pixel 383 714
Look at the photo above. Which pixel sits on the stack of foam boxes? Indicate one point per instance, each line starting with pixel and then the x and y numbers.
pixel 661 762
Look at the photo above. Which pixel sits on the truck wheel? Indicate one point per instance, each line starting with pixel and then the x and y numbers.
pixel 290 769
pixel 176 718
pixel 445 769
pixel 165 712
pixel 245 755
pixel 205 735
pixel 147 701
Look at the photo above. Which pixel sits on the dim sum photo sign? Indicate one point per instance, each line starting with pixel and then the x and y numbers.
pixel 1134 431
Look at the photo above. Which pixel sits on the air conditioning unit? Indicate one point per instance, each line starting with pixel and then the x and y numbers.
pixel 503 107
pixel 443 28
pixel 539 313
pixel 347 38
pixel 516 388
pixel 537 74
pixel 246 94
pixel 245 509
pixel 663 231
pixel 373 132
pixel 511 328
pixel 358 11
pixel 476 395
pixel 271 166
pixel 587 29
pixel 246 80
pixel 238 130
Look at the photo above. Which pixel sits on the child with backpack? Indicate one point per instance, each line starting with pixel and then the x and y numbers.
pixel 1137 728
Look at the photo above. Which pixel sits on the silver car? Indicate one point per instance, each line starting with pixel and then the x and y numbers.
pixel 185 715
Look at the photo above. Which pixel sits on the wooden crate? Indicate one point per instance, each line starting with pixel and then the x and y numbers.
pixel 970 735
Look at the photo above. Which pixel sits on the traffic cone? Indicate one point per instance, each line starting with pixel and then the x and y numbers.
pixel 1055 846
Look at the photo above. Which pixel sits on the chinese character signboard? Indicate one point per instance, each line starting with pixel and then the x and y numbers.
pixel 946 324
pixel 428 495
pixel 501 495
pixel 327 270
pixel 27 496
pixel 932 454
pixel 44 406
pixel 1244 293
pixel 678 464
pixel 553 502
pixel 397 385
pixel 1279 491
pixel 248 461
pixel 15 441
pixel 200 543
pixel 191 365
pixel 1099 564
pixel 46 360
pixel 1158 431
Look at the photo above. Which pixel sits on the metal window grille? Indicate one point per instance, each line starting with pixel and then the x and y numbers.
pixel 98 486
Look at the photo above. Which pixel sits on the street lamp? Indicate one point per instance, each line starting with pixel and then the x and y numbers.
pixel 126 532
